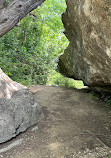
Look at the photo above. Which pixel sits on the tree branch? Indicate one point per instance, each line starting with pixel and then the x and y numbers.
pixel 11 13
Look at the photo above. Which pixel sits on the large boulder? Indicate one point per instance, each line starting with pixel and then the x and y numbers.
pixel 18 110
pixel 88 57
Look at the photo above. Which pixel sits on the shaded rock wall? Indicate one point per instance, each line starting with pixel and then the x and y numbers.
pixel 88 57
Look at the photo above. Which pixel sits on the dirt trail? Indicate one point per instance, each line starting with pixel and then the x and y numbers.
pixel 74 126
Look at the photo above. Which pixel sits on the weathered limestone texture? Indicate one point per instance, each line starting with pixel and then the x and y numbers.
pixel 18 110
pixel 88 57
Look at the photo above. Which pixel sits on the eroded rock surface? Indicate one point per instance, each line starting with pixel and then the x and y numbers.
pixel 88 56
pixel 8 86
pixel 18 110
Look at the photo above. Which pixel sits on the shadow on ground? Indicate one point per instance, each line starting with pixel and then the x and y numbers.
pixel 74 126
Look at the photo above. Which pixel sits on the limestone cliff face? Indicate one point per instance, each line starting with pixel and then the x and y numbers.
pixel 88 27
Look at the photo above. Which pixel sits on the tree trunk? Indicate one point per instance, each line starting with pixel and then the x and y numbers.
pixel 12 12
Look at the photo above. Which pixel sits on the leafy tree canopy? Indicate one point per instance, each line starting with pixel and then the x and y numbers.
pixel 29 53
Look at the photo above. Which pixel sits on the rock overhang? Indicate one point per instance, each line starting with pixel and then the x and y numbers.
pixel 88 56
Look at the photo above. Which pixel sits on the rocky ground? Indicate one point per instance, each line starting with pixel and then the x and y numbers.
pixel 75 125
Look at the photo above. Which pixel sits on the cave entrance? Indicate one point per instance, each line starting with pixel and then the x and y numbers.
pixel 31 50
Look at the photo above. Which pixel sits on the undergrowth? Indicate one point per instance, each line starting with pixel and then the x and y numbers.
pixel 103 96
pixel 56 79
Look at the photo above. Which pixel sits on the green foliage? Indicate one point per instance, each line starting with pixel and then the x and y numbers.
pixel 7 1
pixel 21 53
pixel 29 53
pixel 102 96
pixel 106 97
pixel 57 79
